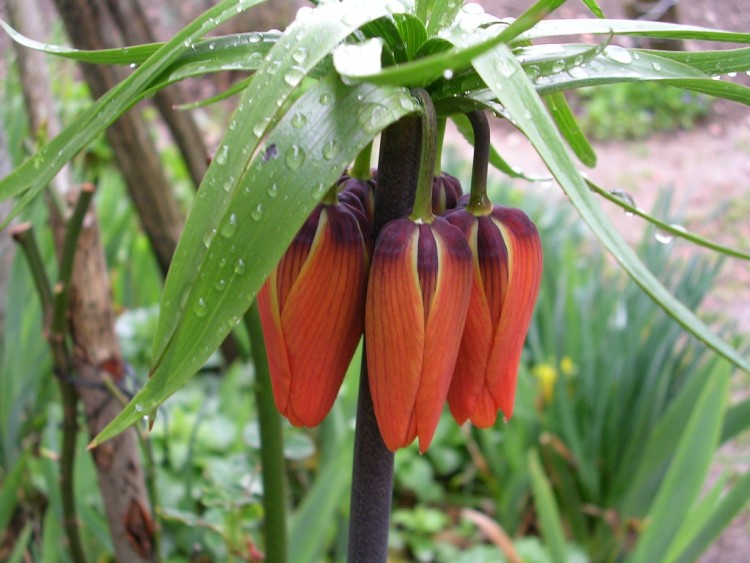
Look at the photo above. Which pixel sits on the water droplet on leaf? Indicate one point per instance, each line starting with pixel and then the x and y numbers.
pixel 229 227
pixel 295 156
pixel 200 308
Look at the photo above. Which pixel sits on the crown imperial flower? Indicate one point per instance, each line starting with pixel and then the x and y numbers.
pixel 312 311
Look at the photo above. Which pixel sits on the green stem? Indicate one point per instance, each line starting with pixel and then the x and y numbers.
pixel 271 446
pixel 441 122
pixel 422 210
pixel 54 302
pixel 23 234
pixel 479 203
pixel 361 169
pixel 67 258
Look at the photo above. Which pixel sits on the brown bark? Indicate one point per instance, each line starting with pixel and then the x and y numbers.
pixel 132 23
pixel 96 357
pixel 89 27
pixel 96 349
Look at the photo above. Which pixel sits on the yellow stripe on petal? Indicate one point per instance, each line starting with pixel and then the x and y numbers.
pixel 322 319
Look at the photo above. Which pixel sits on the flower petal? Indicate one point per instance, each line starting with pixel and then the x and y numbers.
pixel 323 317
pixel 525 272
pixel 394 332
pixel 446 308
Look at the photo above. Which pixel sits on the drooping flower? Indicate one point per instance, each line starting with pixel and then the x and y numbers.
pixel 417 300
pixel 312 310
pixel 358 192
pixel 446 191
pixel 507 258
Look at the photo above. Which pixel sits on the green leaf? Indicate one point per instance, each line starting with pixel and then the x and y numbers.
pixel 11 484
pixel 464 127
pixel 710 62
pixel 672 229
pixel 560 27
pixel 733 502
pixel 443 15
pixel 686 474
pixel 234 238
pixel 594 7
pixel 736 421
pixel 413 32
pixel 549 513
pixel 568 126
pixel 29 179
pixel 517 94
pixel 316 514
pixel 424 71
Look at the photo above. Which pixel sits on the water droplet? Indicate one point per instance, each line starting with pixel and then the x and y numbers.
pixel 220 284
pixel 257 213
pixel 295 156
pixel 731 74
pixel 505 67
pixel 578 72
pixel 239 266
pixel 229 227
pixel 447 74
pixel 200 308
pixel 211 46
pixel 222 154
pixel 372 117
pixel 133 65
pixel 300 55
pixel 294 75
pixel 656 66
pixel 209 237
pixel 138 407
pixel 558 66
pixel 325 99
pixel 407 102
pixel 222 262
pixel 260 127
pixel 273 190
pixel 626 197
pixel 299 120
pixel 330 149
pixel 188 42
pixel 619 54
pixel 663 237
pixel 253 38
pixel 227 186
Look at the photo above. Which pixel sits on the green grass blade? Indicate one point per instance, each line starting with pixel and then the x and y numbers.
pixel 517 94
pixel 442 15
pixel 561 27
pixel 568 126
pixel 709 62
pixel 11 484
pixel 686 474
pixel 733 502
pixel 549 513
pixel 594 8
pixel 672 229
pixel 736 421
pixel 315 516
pixel 233 239
pixel 32 176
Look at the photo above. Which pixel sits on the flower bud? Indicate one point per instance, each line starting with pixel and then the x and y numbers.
pixel 446 191
pixel 312 311
pixel 507 258
pixel 417 299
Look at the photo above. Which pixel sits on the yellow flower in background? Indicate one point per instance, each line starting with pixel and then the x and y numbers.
pixel 547 375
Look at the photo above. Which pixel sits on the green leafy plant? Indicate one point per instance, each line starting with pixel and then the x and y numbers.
pixel 636 111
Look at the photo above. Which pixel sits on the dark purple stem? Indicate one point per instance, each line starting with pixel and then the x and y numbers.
pixel 372 477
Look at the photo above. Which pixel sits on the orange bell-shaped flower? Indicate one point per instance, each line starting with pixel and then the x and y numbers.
pixel 507 257
pixel 312 311
pixel 417 299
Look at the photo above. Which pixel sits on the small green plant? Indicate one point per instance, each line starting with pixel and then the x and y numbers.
pixel 630 110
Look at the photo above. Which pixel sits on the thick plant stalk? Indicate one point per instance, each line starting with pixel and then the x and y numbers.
pixel 372 476
pixel 271 446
